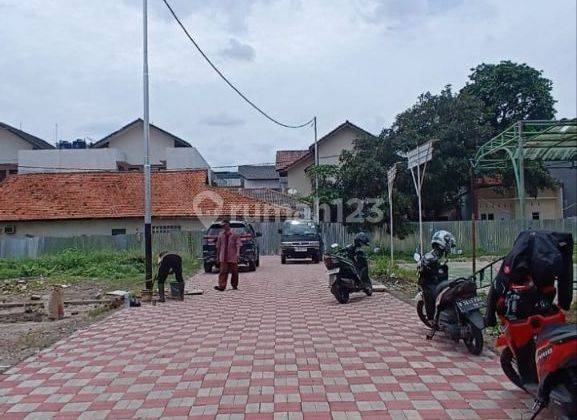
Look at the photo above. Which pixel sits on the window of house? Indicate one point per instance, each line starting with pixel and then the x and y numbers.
pixel 483 216
pixel 490 216
pixel 165 228
pixel 535 215
pixel 118 232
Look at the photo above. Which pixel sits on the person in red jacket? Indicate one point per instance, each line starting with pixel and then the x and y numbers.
pixel 227 251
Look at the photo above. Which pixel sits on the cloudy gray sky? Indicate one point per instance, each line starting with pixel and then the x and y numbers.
pixel 78 63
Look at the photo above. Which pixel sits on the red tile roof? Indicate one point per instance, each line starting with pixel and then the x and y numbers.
pixel 103 195
pixel 285 158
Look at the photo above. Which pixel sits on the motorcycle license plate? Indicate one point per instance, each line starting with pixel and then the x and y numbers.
pixel 300 249
pixel 472 304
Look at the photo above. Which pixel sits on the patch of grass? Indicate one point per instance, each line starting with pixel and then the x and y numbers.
pixel 112 270
pixel 75 263
pixel 379 268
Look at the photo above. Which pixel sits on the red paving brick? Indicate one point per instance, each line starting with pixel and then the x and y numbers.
pixel 281 347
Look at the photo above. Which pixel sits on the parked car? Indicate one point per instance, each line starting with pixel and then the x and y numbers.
pixel 249 250
pixel 301 239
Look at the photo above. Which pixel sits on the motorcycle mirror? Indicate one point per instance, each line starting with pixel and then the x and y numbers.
pixel 417 257
pixel 335 245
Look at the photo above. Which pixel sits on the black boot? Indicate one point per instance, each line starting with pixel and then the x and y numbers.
pixel 181 290
pixel 161 297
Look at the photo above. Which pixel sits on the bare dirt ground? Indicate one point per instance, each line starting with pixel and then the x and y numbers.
pixel 24 330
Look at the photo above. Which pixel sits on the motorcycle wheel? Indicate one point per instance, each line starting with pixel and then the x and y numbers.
pixel 341 294
pixel 474 340
pixel 421 311
pixel 566 389
pixel 510 369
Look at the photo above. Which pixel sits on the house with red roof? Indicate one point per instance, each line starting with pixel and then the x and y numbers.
pixel 110 203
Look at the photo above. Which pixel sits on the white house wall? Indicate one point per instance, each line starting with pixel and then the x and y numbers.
pixel 130 141
pixel 331 148
pixel 68 228
pixel 548 204
pixel 184 158
pixel 297 178
pixel 68 160
pixel 262 183
pixel 10 144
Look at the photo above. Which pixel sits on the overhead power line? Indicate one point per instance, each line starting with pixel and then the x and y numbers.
pixel 228 82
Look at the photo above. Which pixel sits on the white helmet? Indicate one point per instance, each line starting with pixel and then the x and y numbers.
pixel 443 240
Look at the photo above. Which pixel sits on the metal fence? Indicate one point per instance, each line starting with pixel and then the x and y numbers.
pixel 186 243
pixel 493 237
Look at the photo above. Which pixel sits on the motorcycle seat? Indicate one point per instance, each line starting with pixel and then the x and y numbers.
pixel 443 285
pixel 557 332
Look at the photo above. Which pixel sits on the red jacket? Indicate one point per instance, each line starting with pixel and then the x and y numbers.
pixel 228 253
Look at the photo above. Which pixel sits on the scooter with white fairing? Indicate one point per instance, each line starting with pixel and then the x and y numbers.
pixel 451 306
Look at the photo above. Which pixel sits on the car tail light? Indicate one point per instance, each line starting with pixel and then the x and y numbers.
pixel 328 262
pixel 208 240
pixel 245 238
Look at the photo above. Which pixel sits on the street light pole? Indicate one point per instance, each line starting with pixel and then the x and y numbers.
pixel 317 201
pixel 146 163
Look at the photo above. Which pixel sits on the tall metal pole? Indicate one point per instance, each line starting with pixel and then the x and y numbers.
pixel 391 174
pixel 391 225
pixel 521 186
pixel 146 132
pixel 419 183
pixel 474 219
pixel 317 200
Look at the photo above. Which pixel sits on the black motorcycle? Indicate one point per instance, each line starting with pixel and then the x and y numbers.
pixel 451 306
pixel 348 272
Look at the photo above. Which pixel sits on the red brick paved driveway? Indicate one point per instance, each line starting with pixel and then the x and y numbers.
pixel 280 347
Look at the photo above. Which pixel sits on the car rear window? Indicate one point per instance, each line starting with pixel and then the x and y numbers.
pixel 237 228
pixel 299 228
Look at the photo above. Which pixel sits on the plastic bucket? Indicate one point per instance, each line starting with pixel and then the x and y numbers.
pixel 175 289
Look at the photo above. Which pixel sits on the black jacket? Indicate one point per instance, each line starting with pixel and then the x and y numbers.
pixel 544 255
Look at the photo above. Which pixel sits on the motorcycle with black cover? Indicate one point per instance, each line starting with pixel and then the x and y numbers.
pixel 348 270
pixel 538 348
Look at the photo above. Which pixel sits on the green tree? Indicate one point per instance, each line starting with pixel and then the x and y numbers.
pixel 363 175
pixel 326 175
pixel 456 122
pixel 511 92
pixel 497 96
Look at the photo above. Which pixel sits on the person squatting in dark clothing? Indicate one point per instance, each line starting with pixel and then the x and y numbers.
pixel 169 263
